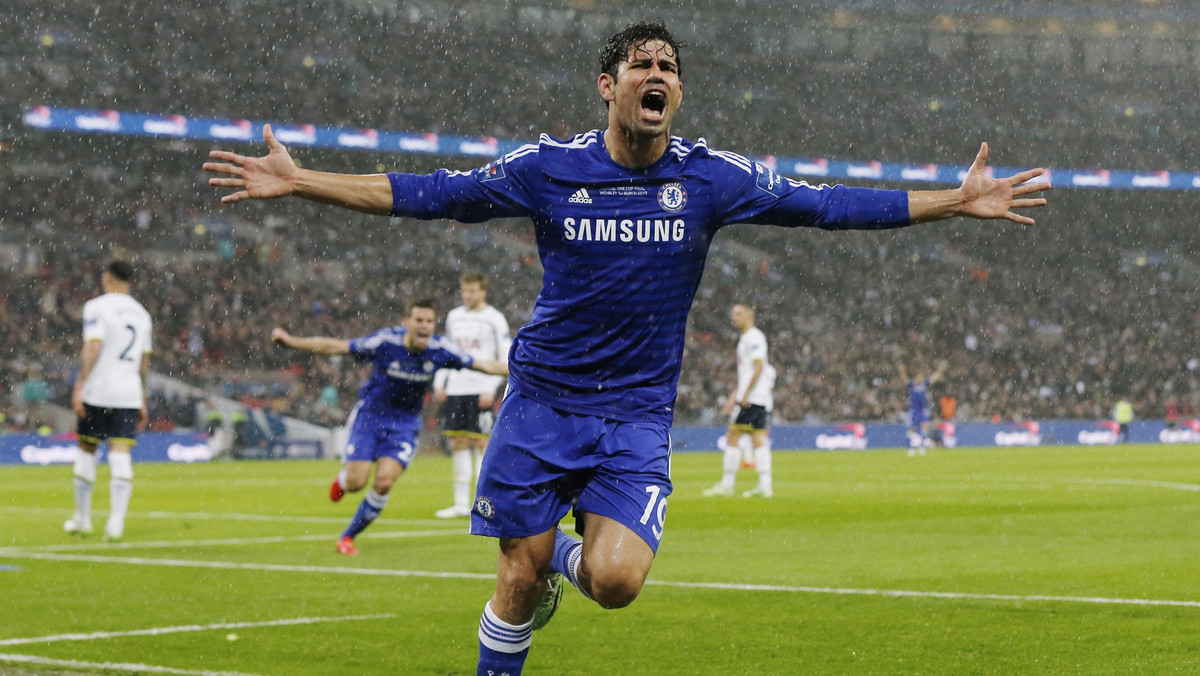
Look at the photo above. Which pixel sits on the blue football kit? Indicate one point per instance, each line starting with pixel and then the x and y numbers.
pixel 593 373
pixel 918 401
pixel 387 418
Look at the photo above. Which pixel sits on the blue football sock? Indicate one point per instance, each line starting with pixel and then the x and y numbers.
pixel 503 647
pixel 368 510
pixel 567 552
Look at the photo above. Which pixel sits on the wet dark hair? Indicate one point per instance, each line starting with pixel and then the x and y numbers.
pixel 616 50
pixel 120 270
pixel 426 303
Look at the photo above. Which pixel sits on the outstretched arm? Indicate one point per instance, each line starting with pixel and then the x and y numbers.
pixel 316 344
pixel 276 175
pixel 494 367
pixel 941 371
pixel 980 196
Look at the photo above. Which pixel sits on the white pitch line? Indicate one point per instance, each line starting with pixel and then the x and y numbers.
pixel 230 565
pixel 724 586
pixel 1142 483
pixel 159 631
pixel 233 516
pixel 276 539
pixel 904 593
pixel 114 666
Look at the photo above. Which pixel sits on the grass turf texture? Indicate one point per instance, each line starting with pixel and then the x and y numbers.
pixel 812 571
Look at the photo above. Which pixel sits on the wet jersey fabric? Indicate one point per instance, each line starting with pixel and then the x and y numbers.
pixel 399 379
pixel 623 252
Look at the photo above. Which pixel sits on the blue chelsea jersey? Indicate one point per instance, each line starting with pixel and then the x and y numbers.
pixel 399 379
pixel 623 251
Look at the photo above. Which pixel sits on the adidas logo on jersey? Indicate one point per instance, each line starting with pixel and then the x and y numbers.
pixel 581 196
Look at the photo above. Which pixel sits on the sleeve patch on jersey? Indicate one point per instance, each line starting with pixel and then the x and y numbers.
pixel 770 182
pixel 492 171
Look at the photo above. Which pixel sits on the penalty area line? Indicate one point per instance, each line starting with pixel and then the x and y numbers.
pixel 720 586
pixel 159 631
pixel 113 666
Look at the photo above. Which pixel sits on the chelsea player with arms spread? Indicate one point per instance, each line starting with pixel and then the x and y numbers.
pixel 623 220
pixel 387 418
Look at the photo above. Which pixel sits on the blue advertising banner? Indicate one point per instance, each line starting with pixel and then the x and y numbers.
pixel 168 125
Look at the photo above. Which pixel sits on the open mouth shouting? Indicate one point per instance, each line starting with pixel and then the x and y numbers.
pixel 654 105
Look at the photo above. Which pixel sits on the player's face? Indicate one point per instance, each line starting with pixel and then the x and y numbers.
pixel 741 317
pixel 646 92
pixel 473 295
pixel 420 322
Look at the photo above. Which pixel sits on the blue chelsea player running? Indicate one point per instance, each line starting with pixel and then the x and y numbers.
pixel 385 422
pixel 623 220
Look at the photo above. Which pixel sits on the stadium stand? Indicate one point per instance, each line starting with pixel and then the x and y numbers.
pixel 1041 323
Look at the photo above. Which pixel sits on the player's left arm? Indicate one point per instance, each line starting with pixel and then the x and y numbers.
pixel 87 361
pixel 318 344
pixel 980 196
pixel 493 367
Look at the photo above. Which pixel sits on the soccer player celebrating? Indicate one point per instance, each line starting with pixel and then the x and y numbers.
pixel 467 397
pixel 623 219
pixel 754 401
pixel 387 418
pixel 110 396
pixel 918 405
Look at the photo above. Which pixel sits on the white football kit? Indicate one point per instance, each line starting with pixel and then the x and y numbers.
pixel 123 328
pixel 483 334
pixel 751 347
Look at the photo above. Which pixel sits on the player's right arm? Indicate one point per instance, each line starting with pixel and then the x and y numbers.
pixel 87 361
pixel 469 197
pixel 318 344
pixel 276 175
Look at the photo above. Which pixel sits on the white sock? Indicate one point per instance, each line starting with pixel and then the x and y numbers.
pixel 464 467
pixel 733 460
pixel 762 459
pixel 120 490
pixel 84 472
pixel 341 478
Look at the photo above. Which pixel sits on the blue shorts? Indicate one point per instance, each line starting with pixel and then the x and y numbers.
pixel 114 424
pixel 541 460
pixel 373 436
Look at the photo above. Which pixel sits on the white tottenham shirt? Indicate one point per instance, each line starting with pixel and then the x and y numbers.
pixel 123 328
pixel 751 347
pixel 483 334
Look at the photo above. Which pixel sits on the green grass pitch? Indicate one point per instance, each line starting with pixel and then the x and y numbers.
pixel 1020 561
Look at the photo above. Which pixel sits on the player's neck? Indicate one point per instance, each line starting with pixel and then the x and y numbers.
pixel 632 151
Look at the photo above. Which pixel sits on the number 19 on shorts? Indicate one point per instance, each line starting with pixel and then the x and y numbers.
pixel 656 507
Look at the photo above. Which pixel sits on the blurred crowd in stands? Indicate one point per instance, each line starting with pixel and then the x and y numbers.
pixel 1057 321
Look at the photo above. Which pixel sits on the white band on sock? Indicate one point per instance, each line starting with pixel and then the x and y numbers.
pixel 85 466
pixel 502 637
pixel 376 500
pixel 121 465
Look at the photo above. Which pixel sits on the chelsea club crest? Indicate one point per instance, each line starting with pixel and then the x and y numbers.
pixel 672 197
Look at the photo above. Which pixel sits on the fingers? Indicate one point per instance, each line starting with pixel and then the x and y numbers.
pixel 269 137
pixel 1026 175
pixel 1018 218
pixel 236 197
pixel 227 156
pixel 1025 204
pixel 981 158
pixel 223 168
